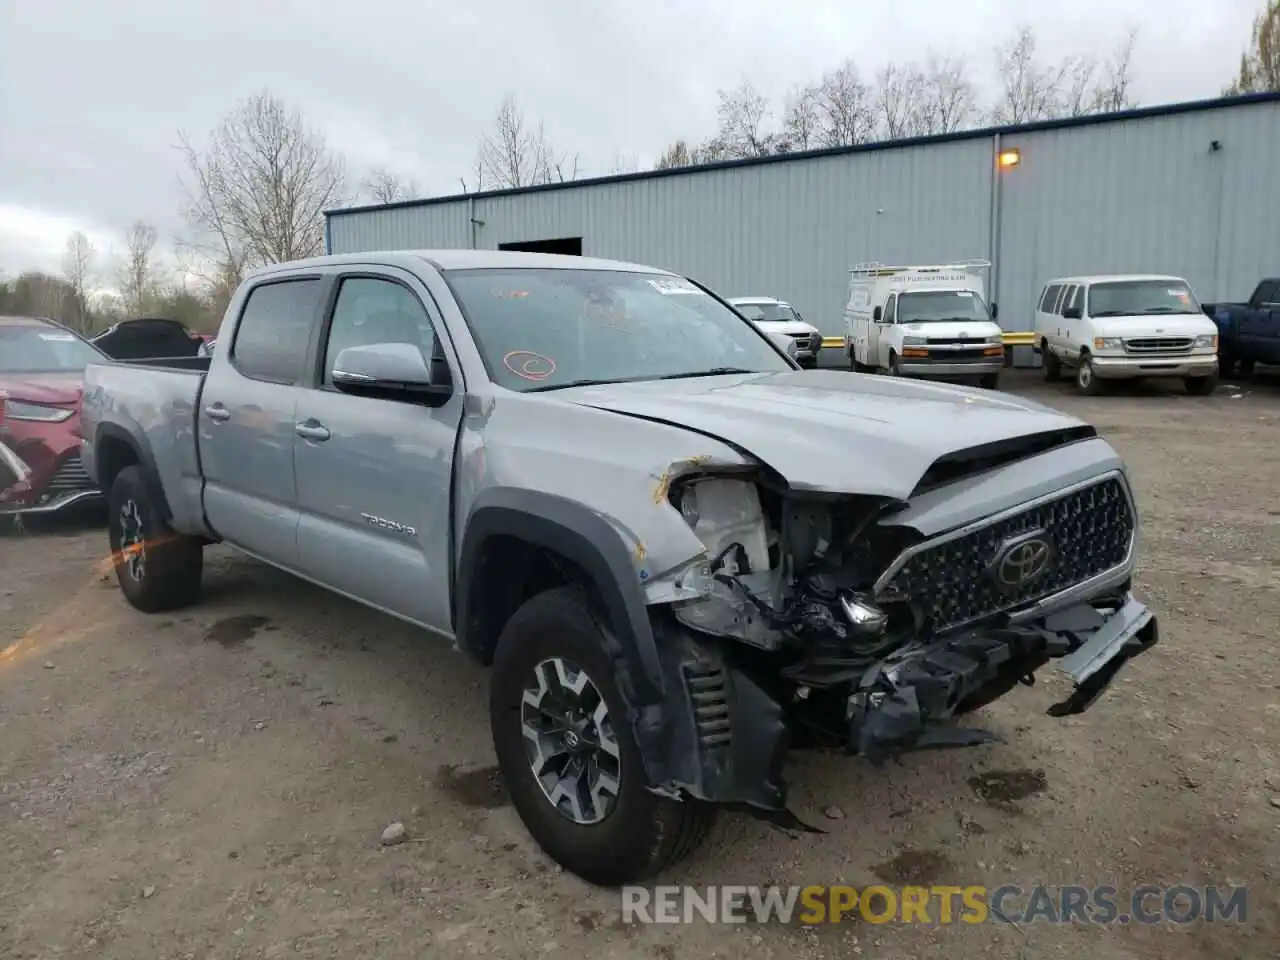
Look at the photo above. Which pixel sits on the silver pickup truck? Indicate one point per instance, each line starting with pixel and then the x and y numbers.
pixel 681 554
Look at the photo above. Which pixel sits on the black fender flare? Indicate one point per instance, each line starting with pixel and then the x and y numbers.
pixel 142 453
pixel 583 536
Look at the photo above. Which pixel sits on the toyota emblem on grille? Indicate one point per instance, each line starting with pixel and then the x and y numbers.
pixel 1022 561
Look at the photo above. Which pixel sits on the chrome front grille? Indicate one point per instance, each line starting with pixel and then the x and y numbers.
pixel 70 478
pixel 1158 346
pixel 956 579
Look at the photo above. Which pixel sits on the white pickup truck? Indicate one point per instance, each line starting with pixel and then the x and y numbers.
pixel 923 321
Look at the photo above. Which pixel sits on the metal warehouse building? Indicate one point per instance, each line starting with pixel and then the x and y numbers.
pixel 1190 189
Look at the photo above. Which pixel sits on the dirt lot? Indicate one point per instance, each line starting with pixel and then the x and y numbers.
pixel 213 784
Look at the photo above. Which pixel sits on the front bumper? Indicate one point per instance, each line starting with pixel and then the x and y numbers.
pixel 49 485
pixel 729 721
pixel 1123 368
pixel 971 368
pixel 903 703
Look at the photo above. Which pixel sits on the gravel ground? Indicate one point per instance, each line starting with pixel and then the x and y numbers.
pixel 214 784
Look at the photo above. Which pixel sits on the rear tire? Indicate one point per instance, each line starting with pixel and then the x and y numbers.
pixel 1201 386
pixel 1052 365
pixel 157 568
pixel 630 836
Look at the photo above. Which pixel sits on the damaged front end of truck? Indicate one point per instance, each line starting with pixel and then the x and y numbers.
pixel 869 623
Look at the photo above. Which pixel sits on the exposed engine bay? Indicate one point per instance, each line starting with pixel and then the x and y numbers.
pixel 851 630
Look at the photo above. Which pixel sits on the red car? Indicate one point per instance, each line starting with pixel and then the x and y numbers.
pixel 41 379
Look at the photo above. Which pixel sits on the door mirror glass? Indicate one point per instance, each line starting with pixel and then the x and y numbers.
pixel 876 314
pixel 1071 313
pixel 390 369
pixel 995 311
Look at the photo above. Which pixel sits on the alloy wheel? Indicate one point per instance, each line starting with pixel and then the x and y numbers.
pixel 570 742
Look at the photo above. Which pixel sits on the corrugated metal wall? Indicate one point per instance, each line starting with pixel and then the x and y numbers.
pixel 1143 196
pixel 1134 195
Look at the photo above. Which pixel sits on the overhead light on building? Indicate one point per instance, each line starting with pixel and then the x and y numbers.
pixel 1009 158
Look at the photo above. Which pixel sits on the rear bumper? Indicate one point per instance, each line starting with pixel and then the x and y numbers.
pixel 1120 368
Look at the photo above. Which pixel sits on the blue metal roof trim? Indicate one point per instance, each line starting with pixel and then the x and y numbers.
pixel 1139 113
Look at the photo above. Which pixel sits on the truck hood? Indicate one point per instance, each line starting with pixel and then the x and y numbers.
pixel 789 327
pixel 53 388
pixel 1154 325
pixel 832 431
pixel 947 330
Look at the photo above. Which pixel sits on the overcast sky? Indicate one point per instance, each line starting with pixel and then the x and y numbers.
pixel 93 93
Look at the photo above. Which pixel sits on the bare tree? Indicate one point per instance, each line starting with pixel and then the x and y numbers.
pixel 1113 93
pixel 1029 89
pixel 383 186
pixel 137 280
pixel 743 113
pixel 802 119
pixel 845 107
pixel 623 163
pixel 77 266
pixel 517 153
pixel 1260 64
pixel 948 101
pixel 257 190
pixel 898 99
pixel 677 155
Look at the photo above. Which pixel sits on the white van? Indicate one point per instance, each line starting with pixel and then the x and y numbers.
pixel 1124 327
pixel 924 321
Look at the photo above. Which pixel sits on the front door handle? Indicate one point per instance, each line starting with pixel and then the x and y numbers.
pixel 218 413
pixel 311 430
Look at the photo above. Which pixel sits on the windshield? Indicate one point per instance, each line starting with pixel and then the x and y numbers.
pixel 540 329
pixel 938 305
pixel 1140 298
pixel 41 349
pixel 766 312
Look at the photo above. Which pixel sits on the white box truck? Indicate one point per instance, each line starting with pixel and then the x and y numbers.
pixel 923 321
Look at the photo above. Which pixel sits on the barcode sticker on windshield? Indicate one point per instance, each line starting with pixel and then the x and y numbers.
pixel 58 337
pixel 668 286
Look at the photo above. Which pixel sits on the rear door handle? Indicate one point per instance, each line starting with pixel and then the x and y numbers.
pixel 217 412
pixel 311 430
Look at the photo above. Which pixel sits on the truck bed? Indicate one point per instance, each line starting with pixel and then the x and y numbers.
pixel 149 405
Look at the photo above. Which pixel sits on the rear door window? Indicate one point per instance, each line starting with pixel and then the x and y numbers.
pixel 1049 297
pixel 275 330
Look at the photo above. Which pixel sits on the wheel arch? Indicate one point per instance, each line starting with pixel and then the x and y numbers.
pixel 116 448
pixel 507 533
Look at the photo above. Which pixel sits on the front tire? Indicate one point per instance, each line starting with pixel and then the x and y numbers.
pixel 157 568
pixel 554 706
pixel 1087 381
pixel 895 370
pixel 989 381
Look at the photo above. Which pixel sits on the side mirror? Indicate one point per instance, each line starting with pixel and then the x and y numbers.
pixel 1071 313
pixel 876 314
pixel 995 311
pixel 392 370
